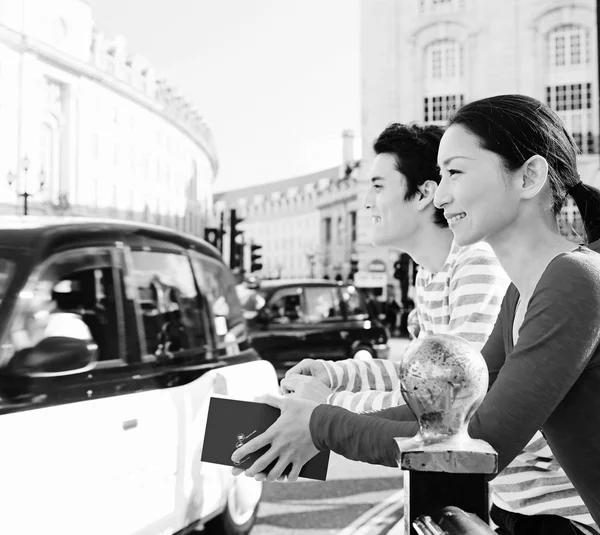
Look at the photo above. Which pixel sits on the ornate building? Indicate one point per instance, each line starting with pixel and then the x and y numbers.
pixel 422 58
pixel 306 225
pixel 87 129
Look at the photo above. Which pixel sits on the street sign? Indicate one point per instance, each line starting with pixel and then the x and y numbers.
pixel 368 279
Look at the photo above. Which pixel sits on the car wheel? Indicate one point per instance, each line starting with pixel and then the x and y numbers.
pixel 363 353
pixel 241 510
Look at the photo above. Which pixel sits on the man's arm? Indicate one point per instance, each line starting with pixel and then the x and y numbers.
pixel 359 375
pixel 366 401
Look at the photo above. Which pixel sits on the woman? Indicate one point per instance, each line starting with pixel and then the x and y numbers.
pixel 507 164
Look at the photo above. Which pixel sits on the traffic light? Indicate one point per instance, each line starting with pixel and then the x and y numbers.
pixel 213 236
pixel 398 270
pixel 255 257
pixel 236 242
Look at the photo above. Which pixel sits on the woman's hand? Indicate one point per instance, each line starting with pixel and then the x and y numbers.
pixel 289 440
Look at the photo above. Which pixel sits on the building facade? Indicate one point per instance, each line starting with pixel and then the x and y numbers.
pixel 305 225
pixel 422 58
pixel 87 128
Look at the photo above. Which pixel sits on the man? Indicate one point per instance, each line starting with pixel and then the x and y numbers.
pixel 459 291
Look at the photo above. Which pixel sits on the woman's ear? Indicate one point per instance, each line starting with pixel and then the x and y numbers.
pixel 425 193
pixel 532 176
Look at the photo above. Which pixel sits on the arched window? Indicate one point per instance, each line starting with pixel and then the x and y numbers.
pixel 570 82
pixel 569 46
pixel 444 80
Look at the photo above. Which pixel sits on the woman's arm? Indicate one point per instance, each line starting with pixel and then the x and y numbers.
pixel 361 437
pixel 556 341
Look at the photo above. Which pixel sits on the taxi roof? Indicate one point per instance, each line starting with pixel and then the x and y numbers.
pixel 39 231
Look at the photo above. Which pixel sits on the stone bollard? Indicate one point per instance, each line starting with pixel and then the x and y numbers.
pixel 443 381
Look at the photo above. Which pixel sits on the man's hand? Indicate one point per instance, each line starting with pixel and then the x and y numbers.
pixel 304 387
pixel 289 440
pixel 310 367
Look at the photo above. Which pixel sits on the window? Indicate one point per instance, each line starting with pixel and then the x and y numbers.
pixel 285 306
pixel 353 227
pixel 569 46
pixel 75 296
pixel 570 80
pixel 340 230
pixel 444 75
pixel 172 318
pixel 322 303
pixel 573 102
pixel 355 304
pixel 218 285
pixel 445 59
pixel 7 269
pixel 327 229
pixel 570 222
pixel 437 109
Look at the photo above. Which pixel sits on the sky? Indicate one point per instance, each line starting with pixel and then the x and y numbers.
pixel 277 81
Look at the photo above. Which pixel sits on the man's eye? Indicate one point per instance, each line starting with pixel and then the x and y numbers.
pixel 377 187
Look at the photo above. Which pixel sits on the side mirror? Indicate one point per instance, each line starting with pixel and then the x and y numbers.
pixel 55 355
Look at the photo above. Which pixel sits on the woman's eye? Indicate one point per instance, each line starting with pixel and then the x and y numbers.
pixel 453 172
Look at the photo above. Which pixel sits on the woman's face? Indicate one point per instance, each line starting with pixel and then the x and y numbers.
pixel 476 193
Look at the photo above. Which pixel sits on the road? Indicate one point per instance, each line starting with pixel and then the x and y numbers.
pixel 351 502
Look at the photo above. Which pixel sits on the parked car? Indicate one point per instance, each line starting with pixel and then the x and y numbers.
pixel 113 337
pixel 312 318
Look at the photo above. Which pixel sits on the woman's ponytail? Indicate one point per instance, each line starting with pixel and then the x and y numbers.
pixel 587 199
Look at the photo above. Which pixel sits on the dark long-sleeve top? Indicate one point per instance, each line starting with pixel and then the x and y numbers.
pixel 550 380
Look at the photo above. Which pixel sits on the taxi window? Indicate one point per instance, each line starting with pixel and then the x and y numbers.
pixel 322 304
pixel 285 306
pixel 355 303
pixel 169 302
pixel 72 296
pixel 218 285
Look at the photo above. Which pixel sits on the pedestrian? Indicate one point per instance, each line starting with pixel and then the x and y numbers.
pixel 507 165
pixel 392 308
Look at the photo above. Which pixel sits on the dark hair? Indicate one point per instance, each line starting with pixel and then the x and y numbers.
pixel 415 150
pixel 517 127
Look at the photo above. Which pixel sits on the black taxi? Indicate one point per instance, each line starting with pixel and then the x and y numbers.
pixel 318 319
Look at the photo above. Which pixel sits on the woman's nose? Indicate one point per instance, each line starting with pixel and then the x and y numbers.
pixel 442 196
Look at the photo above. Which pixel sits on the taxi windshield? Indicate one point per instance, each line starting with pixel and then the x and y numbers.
pixel 7 269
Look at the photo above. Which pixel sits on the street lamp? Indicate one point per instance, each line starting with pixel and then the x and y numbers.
pixel 12 178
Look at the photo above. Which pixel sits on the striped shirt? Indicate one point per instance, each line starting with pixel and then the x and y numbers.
pixel 464 299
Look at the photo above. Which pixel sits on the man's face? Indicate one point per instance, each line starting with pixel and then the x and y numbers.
pixel 394 219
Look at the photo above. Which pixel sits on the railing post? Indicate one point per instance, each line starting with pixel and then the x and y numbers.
pixel 443 382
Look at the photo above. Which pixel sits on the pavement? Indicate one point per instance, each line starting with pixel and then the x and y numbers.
pixel 397 348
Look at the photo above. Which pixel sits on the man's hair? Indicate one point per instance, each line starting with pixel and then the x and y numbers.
pixel 415 149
